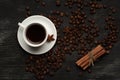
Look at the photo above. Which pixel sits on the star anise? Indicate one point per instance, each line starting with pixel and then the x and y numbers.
pixel 50 38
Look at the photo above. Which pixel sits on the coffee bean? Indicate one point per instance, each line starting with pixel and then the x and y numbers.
pixel 62 14
pixel 110 47
pixel 43 4
pixel 31 57
pixel 104 6
pixel 68 69
pixel 89 71
pixel 27 69
pixel 93 11
pixel 113 10
pixel 28 13
pixel 27 8
pixel 58 3
pixel 66 4
pixel 107 51
pixel 93 5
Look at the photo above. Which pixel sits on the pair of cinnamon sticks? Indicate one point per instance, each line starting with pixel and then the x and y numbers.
pixel 89 58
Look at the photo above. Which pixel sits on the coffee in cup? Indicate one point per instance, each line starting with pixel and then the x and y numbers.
pixel 35 34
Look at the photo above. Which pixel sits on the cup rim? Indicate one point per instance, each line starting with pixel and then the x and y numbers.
pixel 30 43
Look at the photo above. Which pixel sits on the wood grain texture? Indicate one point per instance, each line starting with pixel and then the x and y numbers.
pixel 12 57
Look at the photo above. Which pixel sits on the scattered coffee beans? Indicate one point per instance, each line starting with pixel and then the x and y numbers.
pixel 81 34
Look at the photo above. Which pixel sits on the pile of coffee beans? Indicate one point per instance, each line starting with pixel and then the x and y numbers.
pixel 80 35
pixel 45 64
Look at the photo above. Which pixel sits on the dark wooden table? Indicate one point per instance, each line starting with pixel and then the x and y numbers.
pixel 12 57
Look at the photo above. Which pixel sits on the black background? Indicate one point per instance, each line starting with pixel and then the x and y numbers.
pixel 12 57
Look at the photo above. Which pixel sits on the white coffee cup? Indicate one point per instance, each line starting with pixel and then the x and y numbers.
pixel 25 37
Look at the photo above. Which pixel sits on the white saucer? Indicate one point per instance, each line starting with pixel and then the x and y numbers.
pixel 50 28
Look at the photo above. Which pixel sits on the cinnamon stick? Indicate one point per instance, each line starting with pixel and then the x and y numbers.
pixel 96 56
pixel 86 57
pixel 87 61
pixel 96 53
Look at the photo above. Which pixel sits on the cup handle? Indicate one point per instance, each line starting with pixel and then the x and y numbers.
pixel 21 25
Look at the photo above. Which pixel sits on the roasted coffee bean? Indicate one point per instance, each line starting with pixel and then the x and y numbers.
pixel 27 69
pixel 93 22
pixel 110 46
pixel 113 10
pixel 93 11
pixel 31 57
pixel 28 13
pixel 107 51
pixel 43 3
pixel 68 69
pixel 27 8
pixel 62 14
pixel 58 3
pixel 104 6
pixel 89 71
pixel 66 4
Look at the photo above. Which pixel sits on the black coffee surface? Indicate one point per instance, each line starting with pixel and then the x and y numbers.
pixel 35 33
